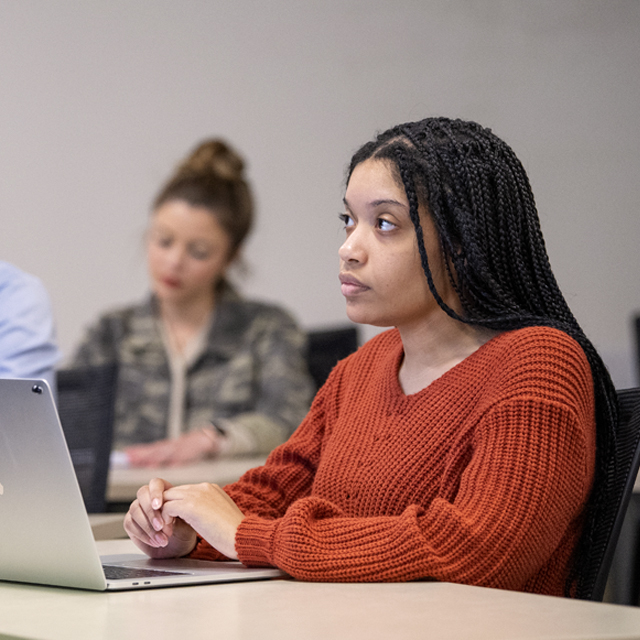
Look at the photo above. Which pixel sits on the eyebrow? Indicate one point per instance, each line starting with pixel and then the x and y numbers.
pixel 377 203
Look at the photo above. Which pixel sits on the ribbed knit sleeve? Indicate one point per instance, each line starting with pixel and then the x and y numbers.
pixel 287 476
pixel 481 478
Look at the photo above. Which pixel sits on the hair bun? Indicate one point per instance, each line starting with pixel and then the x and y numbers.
pixel 213 157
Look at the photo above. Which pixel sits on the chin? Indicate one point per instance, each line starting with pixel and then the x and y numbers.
pixel 362 316
pixel 169 295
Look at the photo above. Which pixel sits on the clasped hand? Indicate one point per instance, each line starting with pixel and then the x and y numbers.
pixel 200 444
pixel 163 520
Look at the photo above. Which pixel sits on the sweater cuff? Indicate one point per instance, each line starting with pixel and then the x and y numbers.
pixel 204 551
pixel 254 541
pixel 237 439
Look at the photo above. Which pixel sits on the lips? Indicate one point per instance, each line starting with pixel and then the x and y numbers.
pixel 173 283
pixel 351 286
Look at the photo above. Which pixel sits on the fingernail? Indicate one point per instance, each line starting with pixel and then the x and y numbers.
pixel 157 524
pixel 156 504
pixel 160 540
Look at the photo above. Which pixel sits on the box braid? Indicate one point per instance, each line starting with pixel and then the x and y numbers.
pixel 480 199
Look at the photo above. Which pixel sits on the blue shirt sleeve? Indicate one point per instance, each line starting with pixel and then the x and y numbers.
pixel 27 336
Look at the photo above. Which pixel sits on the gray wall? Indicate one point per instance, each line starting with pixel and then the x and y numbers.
pixel 99 100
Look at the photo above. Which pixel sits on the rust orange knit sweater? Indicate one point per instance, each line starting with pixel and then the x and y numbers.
pixel 479 478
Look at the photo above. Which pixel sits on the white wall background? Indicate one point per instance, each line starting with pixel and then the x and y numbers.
pixel 99 100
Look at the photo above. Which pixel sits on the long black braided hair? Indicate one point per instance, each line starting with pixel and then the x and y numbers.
pixel 480 200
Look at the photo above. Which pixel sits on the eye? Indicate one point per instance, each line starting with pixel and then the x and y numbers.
pixel 347 220
pixel 385 225
pixel 199 253
pixel 164 241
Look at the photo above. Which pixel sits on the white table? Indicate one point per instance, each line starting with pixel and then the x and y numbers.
pixel 287 609
pixel 124 483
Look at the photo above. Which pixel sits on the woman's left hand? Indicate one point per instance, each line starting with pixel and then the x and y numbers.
pixel 189 447
pixel 209 510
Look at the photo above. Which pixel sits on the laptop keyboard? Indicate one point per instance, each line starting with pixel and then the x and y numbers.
pixel 116 572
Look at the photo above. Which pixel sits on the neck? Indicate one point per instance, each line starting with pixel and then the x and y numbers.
pixel 435 345
pixel 192 313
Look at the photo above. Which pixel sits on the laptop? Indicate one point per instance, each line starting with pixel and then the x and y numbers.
pixel 45 535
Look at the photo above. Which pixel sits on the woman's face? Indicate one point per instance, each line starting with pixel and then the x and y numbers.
pixel 187 253
pixel 380 272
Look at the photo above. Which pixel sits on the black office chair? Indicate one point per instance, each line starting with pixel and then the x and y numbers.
pixel 326 347
pixel 628 461
pixel 86 406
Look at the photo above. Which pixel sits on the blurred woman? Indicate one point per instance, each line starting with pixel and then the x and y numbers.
pixel 202 371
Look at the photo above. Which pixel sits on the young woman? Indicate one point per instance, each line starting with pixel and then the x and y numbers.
pixel 202 371
pixel 461 445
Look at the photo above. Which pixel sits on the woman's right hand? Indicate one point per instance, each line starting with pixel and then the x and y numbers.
pixel 157 537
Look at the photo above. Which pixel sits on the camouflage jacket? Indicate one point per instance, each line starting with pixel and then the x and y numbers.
pixel 251 377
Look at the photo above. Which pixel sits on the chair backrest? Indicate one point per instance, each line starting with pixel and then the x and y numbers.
pixel 326 347
pixel 627 463
pixel 86 408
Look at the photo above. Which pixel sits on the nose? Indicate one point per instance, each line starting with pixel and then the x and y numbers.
pixel 175 257
pixel 352 249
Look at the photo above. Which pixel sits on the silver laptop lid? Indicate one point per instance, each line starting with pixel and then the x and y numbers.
pixel 45 535
pixel 44 528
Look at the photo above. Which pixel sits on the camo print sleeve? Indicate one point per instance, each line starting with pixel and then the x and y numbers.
pixel 251 379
